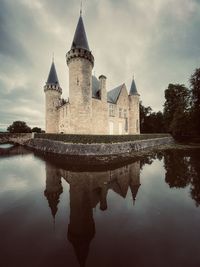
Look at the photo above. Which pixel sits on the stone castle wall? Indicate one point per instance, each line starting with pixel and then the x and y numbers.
pixel 121 112
pixel 64 119
pixel 134 114
pixel 80 95
pixel 99 117
pixel 52 98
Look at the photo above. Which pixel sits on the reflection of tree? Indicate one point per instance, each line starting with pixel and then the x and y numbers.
pixel 177 169
pixel 182 169
pixel 149 159
pixel 195 178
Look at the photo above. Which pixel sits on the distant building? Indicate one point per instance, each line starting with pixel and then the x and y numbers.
pixel 90 109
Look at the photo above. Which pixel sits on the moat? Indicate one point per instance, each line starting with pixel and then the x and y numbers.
pixel 142 213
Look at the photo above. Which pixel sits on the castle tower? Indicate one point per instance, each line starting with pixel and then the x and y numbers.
pixel 80 62
pixel 134 110
pixel 53 92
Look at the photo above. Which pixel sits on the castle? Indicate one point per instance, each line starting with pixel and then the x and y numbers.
pixel 90 109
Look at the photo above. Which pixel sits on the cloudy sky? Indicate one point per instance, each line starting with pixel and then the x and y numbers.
pixel 156 40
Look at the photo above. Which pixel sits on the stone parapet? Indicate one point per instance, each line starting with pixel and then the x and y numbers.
pixel 79 53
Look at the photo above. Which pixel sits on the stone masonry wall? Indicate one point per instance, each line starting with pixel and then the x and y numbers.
pixel 18 138
pixel 62 148
pixel 134 116
pixel 118 119
pixel 99 117
pixel 64 119
pixel 80 95
pixel 52 116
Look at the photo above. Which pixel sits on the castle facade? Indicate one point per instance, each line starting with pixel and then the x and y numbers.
pixel 90 109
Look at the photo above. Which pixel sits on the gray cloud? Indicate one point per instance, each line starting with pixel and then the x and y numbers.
pixel 156 40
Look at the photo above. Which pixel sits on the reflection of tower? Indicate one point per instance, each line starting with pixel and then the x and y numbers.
pixel 134 178
pixel 81 229
pixel 53 187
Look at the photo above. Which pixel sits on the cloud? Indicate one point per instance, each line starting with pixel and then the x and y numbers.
pixel 156 40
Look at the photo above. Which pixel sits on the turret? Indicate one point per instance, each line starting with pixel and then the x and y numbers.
pixel 80 62
pixel 53 93
pixel 134 109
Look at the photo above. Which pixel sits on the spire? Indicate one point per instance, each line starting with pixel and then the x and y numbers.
pixel 80 38
pixel 52 79
pixel 133 90
pixel 81 8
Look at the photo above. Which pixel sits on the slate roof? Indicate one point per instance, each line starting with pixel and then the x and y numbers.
pixel 80 38
pixel 95 87
pixel 133 90
pixel 52 78
pixel 113 95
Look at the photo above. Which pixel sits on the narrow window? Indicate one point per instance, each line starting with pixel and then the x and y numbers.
pixel 111 110
pixel 126 125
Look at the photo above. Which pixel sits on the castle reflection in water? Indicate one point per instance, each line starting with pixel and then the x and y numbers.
pixel 87 190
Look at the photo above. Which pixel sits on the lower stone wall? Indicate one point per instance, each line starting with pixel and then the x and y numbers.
pixel 17 138
pixel 62 148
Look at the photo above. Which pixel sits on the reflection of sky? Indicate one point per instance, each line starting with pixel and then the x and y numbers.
pixel 6 145
pixel 162 224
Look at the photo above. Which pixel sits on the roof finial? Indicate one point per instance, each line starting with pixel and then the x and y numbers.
pixel 53 57
pixel 133 76
pixel 81 7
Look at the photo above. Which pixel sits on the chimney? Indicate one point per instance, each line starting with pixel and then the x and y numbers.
pixel 102 80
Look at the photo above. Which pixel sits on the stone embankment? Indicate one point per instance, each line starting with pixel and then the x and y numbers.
pixel 95 149
pixel 16 138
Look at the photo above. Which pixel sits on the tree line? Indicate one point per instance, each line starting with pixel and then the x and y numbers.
pixel 22 127
pixel 181 111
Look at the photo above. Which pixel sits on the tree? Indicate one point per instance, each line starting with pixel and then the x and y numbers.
pixel 195 90
pixel 19 127
pixel 151 122
pixel 177 110
pixel 36 130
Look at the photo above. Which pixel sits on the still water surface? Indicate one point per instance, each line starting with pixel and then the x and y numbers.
pixel 145 213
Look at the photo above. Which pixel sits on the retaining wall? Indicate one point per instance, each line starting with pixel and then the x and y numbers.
pixel 17 138
pixel 62 148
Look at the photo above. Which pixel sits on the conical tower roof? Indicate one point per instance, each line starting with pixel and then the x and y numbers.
pixel 52 78
pixel 133 90
pixel 80 38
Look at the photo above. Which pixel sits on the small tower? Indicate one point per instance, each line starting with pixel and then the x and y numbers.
pixel 134 110
pixel 80 62
pixel 53 93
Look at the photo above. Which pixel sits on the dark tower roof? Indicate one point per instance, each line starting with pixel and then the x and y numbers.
pixel 80 38
pixel 52 79
pixel 133 90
